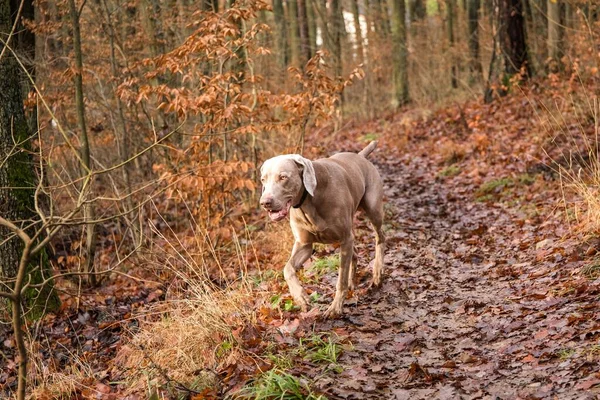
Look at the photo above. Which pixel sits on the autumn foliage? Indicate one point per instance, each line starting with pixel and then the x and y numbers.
pixel 492 211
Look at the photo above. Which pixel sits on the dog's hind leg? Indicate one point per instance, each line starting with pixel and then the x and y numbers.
pixel 373 207
pixel 352 272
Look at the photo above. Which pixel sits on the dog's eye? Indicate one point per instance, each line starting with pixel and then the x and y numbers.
pixel 282 177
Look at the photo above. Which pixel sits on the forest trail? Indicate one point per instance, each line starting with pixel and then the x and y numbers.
pixel 468 308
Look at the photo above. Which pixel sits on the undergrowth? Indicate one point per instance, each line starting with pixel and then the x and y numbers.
pixel 277 384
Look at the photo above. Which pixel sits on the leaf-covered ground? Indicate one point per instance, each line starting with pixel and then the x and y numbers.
pixel 489 291
pixel 469 309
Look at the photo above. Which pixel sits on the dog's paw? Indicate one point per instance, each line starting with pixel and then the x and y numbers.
pixel 303 301
pixel 375 284
pixel 351 285
pixel 333 311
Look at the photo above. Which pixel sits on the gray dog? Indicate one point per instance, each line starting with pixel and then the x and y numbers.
pixel 321 198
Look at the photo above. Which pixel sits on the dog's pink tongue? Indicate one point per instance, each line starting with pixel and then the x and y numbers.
pixel 278 215
pixel 281 214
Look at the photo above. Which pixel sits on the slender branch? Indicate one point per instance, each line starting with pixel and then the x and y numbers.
pixel 18 231
pixel 13 29
pixel 97 273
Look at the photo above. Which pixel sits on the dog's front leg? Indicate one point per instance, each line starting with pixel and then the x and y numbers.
pixel 300 253
pixel 341 289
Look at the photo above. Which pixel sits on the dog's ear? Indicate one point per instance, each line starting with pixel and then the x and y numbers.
pixel 308 173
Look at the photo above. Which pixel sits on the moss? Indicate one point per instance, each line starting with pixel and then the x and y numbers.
pixel 449 171
pixel 45 299
pixel 21 177
pixel 20 173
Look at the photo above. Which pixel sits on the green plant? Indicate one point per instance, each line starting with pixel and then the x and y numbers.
pixel 224 348
pixel 275 300
pixel 592 270
pixel 369 137
pixel 450 171
pixel 526 179
pixel 593 351
pixel 264 276
pixel 494 186
pixel 325 265
pixel 289 305
pixel 565 354
pixel 281 361
pixel 322 350
pixel 278 384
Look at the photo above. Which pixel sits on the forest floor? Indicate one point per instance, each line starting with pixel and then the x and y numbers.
pixel 490 290
pixel 481 299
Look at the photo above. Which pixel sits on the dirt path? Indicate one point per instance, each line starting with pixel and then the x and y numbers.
pixel 465 311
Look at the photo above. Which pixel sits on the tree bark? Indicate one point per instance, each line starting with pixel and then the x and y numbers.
pixel 417 10
pixel 357 31
pixel 89 213
pixel 305 51
pixel 555 35
pixel 450 17
pixel 512 37
pixel 281 34
pixel 292 8
pixel 400 66
pixel 473 25
pixel 18 179
pixel 312 25
pixel 336 35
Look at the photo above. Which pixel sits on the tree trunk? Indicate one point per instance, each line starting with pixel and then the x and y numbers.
pixel 357 31
pixel 418 11
pixel 381 21
pixel 385 16
pixel 512 37
pixel 17 177
pixel 400 66
pixel 473 25
pixel 368 81
pixel 305 52
pixel 88 210
pixel 336 35
pixel 312 25
pixel 124 140
pixel 450 17
pixel 292 8
pixel 281 34
pixel 555 35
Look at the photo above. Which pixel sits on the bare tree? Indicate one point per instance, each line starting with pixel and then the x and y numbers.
pixel 305 48
pixel 450 22
pixel 280 34
pixel 85 143
pixel 555 34
pixel 400 66
pixel 512 37
pixel 473 38
pixel 294 32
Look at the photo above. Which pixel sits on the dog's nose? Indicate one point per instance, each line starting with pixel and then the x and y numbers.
pixel 266 202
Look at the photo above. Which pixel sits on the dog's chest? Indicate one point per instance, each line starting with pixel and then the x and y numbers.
pixel 305 223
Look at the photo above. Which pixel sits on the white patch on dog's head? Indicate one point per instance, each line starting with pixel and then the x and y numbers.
pixel 284 179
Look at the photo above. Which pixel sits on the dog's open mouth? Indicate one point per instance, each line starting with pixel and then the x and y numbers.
pixel 278 215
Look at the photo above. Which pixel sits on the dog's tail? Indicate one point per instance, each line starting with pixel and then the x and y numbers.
pixel 369 149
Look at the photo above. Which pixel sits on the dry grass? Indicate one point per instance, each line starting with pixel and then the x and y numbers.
pixel 577 128
pixel 184 342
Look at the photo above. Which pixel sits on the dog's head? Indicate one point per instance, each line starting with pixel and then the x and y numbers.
pixel 284 179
